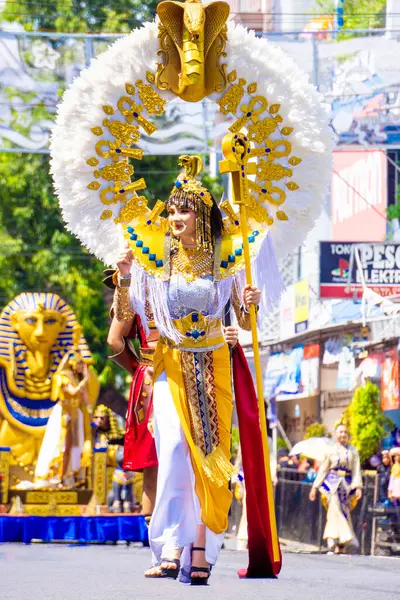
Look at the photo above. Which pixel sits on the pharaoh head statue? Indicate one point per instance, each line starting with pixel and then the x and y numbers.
pixel 37 330
pixel 38 327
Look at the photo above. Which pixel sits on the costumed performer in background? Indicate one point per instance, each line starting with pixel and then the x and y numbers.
pixel 126 329
pixel 67 444
pixel 339 481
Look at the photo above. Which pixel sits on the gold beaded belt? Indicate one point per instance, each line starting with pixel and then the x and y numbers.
pixel 340 472
pixel 199 333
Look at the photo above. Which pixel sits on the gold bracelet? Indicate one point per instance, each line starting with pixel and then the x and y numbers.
pixel 124 281
pixel 122 304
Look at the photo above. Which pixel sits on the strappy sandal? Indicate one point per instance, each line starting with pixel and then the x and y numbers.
pixel 170 572
pixel 199 580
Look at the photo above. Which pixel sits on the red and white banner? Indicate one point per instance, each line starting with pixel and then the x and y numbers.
pixel 359 196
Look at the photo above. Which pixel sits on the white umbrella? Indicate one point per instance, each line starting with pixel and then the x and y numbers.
pixel 315 447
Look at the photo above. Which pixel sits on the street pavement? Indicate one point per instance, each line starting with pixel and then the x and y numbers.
pixel 62 572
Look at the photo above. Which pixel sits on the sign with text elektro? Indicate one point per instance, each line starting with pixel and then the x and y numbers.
pixel 380 267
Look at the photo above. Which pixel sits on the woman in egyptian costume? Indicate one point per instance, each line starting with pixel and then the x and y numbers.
pixel 340 484
pixel 192 373
pixel 189 267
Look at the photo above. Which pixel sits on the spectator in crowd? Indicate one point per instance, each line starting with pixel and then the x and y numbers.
pixel 383 471
pixel 311 473
pixel 394 481
pixel 285 461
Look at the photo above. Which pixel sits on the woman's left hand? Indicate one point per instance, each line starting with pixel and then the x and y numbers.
pixel 231 335
pixel 358 493
pixel 251 295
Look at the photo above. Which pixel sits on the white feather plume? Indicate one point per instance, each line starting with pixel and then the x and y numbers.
pixel 279 79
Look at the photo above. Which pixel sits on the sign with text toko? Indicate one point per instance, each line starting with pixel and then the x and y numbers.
pixel 380 268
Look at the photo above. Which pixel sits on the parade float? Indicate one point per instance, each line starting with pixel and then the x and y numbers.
pixel 56 464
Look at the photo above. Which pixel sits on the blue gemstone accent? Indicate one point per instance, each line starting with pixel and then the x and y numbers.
pixel 233 149
pixel 235 137
pixel 135 114
pixel 122 191
pixel 255 233
pixel 236 222
pixel 145 250
pixel 148 222
pixel 130 229
pixel 178 184
pixel 203 333
pixel 195 318
pixel 159 263
pixel 245 139
pixel 152 257
pixel 243 174
pixel 188 335
pixel 134 236
pixel 242 167
pixel 248 150
pixel 264 191
pixel 201 193
pixel 248 114
pixel 267 149
pixel 224 264
pixel 195 334
pixel 251 239
pixel 238 252
pixel 139 244
pixel 231 258
pixel 118 151
pixel 185 181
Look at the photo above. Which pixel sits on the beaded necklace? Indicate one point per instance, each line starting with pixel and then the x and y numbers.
pixel 192 263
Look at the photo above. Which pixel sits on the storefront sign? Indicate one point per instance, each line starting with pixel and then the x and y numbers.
pixel 358 195
pixel 301 306
pixel 390 396
pixel 294 309
pixel 293 375
pixel 380 269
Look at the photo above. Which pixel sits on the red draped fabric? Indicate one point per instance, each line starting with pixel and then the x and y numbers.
pixel 261 562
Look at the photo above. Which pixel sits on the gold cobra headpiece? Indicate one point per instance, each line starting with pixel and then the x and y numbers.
pixel 187 190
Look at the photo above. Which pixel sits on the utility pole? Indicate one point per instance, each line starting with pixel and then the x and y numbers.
pixel 392 19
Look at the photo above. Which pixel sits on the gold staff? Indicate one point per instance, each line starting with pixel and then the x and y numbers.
pixel 236 150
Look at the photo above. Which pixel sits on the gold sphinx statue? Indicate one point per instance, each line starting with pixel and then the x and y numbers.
pixel 192 39
pixel 36 334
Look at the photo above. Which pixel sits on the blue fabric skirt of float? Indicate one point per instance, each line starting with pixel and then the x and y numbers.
pixel 82 530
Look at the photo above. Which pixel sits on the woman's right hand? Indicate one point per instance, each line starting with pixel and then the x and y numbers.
pixel 124 261
pixel 313 494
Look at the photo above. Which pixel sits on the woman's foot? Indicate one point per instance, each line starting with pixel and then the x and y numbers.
pixel 200 567
pixel 154 572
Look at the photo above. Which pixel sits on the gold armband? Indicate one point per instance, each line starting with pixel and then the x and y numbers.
pixel 122 305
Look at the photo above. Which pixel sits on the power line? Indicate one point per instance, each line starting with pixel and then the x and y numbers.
pixel 83 6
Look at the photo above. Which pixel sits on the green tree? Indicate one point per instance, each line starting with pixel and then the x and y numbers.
pixel 358 14
pixel 316 430
pixel 113 16
pixel 366 420
pixel 38 254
